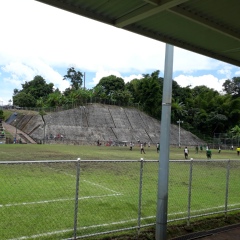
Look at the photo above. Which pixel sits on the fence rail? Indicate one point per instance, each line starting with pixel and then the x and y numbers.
pixel 73 199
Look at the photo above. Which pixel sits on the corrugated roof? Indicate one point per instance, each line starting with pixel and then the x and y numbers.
pixel 208 27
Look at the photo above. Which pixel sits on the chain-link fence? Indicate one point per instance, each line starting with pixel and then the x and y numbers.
pixel 77 104
pixel 77 199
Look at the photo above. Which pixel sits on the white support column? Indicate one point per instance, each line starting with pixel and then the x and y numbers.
pixel 163 172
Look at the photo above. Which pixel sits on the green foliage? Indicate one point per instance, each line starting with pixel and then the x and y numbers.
pixel 203 110
pixel 23 99
pixel 55 99
pixel 1 114
pixel 111 84
pixel 75 77
pixel 42 112
pixel 232 87
pixel 148 93
pixel 31 92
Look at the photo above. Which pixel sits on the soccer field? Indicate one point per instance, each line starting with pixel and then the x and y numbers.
pixel 38 198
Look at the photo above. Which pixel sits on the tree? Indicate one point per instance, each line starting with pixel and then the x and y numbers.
pixel 111 84
pixel 149 95
pixel 232 87
pixel 55 99
pixel 234 111
pixel 40 102
pixel 35 89
pixel 178 110
pixel 75 77
pixel 133 88
pixel 23 99
pixel 216 122
pixel 122 97
pixel 236 133
pixel 1 114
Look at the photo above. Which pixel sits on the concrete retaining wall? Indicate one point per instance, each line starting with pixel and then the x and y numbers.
pixel 106 123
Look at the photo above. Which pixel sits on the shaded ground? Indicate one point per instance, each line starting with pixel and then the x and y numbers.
pixel 218 228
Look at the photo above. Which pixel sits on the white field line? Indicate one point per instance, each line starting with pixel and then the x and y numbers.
pixel 206 209
pixel 100 186
pixel 105 225
pixel 56 200
pixel 196 211
pixel 71 230
pixel 67 199
pixel 92 183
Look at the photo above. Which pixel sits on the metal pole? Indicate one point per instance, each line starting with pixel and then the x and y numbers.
pixel 44 132
pixel 179 142
pixel 179 133
pixel 227 187
pixel 16 129
pixel 190 192
pixel 163 170
pixel 76 199
pixel 84 81
pixel 140 196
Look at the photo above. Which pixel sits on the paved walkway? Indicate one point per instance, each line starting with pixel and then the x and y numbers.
pixel 12 130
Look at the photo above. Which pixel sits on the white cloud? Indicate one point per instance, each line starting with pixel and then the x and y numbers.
pixel 103 73
pixel 20 73
pixel 131 77
pixel 226 71
pixel 189 62
pixel 208 80
pixel 237 73
pixel 18 69
pixel 37 39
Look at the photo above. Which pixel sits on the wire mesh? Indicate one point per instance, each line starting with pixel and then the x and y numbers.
pixel 38 198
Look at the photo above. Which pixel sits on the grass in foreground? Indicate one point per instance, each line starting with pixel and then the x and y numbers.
pixel 108 191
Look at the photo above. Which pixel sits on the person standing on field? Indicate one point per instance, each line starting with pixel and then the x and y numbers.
pixel 186 153
pixel 158 147
pixel 238 150
pixel 131 145
pixel 209 153
pixel 219 149
pixel 142 148
pixel 196 148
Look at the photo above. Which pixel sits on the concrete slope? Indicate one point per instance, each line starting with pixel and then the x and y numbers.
pixel 93 122
pixel 25 138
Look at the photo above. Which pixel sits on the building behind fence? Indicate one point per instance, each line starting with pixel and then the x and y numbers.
pixel 82 199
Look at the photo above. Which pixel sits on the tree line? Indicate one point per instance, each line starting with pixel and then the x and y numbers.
pixel 203 110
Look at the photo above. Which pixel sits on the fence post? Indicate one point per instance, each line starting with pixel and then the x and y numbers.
pixel 140 195
pixel 76 199
pixel 189 192
pixel 227 187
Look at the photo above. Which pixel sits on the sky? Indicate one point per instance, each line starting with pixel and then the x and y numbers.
pixel 37 39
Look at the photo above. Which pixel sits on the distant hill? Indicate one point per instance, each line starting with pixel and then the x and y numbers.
pixel 106 123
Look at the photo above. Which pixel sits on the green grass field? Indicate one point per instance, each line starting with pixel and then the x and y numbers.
pixel 19 152
pixel 38 199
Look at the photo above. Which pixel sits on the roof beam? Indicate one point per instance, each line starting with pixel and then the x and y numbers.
pixel 153 2
pixel 185 45
pixel 146 12
pixel 206 22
